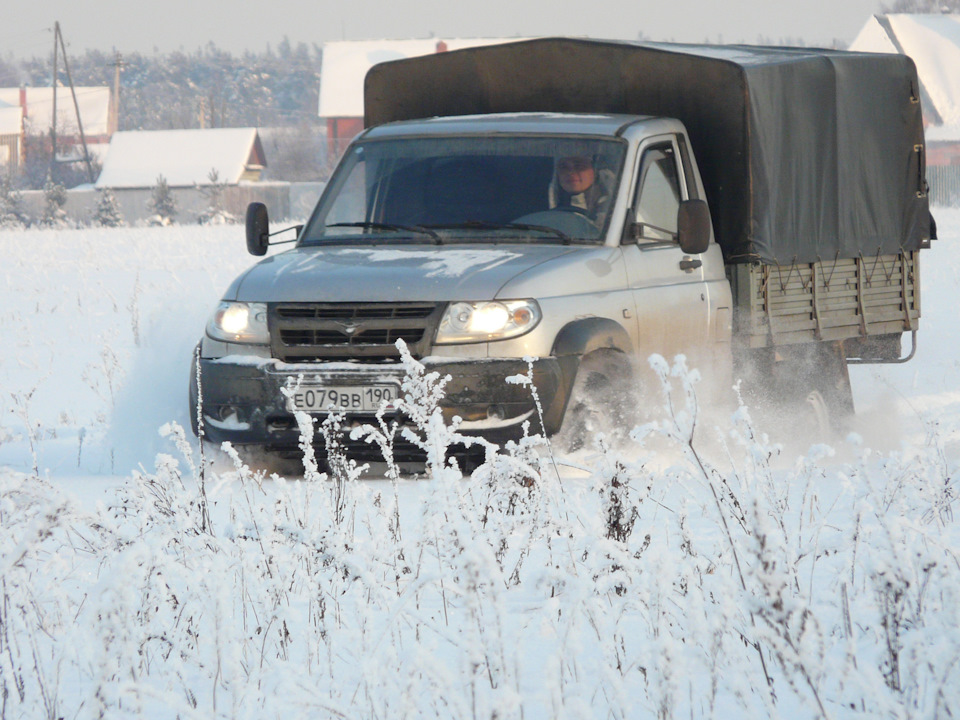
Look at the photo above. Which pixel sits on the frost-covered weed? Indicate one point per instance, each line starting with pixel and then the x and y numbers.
pixel 719 585
pixel 32 428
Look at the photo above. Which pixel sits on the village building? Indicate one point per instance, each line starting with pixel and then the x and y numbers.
pixel 11 137
pixel 184 158
pixel 35 106
pixel 195 165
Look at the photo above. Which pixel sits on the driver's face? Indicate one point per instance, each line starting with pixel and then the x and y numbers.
pixel 575 174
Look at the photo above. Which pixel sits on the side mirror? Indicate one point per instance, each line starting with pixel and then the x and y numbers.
pixel 693 226
pixel 258 228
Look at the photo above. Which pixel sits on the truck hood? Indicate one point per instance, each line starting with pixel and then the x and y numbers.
pixel 389 273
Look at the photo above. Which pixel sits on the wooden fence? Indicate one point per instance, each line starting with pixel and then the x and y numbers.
pixel 944 181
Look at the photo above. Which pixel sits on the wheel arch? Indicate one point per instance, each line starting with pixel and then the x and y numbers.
pixel 581 337
pixel 576 340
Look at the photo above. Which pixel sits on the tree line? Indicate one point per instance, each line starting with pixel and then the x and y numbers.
pixel 209 87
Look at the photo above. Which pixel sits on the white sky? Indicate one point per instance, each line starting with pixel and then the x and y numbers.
pixel 237 25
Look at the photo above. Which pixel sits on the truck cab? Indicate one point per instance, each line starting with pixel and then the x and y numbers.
pixel 462 237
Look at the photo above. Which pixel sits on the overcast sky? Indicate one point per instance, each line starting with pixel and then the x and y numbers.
pixel 237 25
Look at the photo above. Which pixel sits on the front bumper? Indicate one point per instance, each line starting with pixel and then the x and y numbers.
pixel 243 402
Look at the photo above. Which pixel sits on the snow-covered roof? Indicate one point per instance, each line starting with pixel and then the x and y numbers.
pixel 933 42
pixel 94 103
pixel 11 119
pixel 184 157
pixel 345 64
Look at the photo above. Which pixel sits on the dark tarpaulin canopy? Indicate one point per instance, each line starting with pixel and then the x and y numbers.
pixel 805 154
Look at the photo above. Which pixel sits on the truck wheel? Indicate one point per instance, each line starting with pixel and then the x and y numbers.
pixel 831 391
pixel 804 387
pixel 603 399
pixel 817 414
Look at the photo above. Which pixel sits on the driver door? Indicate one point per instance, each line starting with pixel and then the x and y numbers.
pixel 669 288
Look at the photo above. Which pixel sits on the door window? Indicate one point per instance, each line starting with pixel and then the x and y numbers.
pixel 658 194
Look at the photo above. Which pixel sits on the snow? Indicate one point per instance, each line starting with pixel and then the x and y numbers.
pixel 11 119
pixel 184 157
pixel 662 577
pixel 933 42
pixel 873 38
pixel 94 104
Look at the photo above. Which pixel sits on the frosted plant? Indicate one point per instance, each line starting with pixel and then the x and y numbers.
pixel 699 572
pixel 422 393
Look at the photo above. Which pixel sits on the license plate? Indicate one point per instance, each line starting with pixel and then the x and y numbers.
pixel 344 398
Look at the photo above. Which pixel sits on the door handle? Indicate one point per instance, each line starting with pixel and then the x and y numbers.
pixel 689 265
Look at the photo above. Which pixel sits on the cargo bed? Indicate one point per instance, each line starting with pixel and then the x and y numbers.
pixel 824 301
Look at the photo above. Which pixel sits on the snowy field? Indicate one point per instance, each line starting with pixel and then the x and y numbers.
pixel 748 575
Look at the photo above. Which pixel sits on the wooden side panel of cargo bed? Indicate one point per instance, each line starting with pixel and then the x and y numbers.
pixel 825 301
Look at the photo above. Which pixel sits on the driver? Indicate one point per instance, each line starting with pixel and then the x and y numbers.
pixel 578 188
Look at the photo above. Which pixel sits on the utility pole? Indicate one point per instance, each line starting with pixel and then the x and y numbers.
pixel 53 125
pixel 115 100
pixel 60 46
pixel 76 105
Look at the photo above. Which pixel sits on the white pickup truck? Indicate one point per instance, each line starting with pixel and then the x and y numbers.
pixel 758 209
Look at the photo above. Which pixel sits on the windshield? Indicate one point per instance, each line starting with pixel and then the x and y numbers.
pixel 471 189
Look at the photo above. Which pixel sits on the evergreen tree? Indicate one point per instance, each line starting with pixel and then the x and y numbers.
pixel 107 212
pixel 54 198
pixel 162 204
pixel 215 214
pixel 11 214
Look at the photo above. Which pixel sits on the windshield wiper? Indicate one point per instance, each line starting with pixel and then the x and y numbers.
pixel 391 226
pixel 484 225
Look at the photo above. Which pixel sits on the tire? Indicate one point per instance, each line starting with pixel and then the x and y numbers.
pixel 831 395
pixel 805 388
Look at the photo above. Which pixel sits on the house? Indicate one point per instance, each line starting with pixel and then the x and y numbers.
pixel 345 65
pixel 37 104
pixel 185 158
pixel 36 108
pixel 11 137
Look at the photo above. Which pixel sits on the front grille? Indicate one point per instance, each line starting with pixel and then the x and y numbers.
pixel 301 337
pixel 309 332
pixel 344 311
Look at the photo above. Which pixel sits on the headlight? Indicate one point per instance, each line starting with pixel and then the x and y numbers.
pixel 466 322
pixel 238 322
